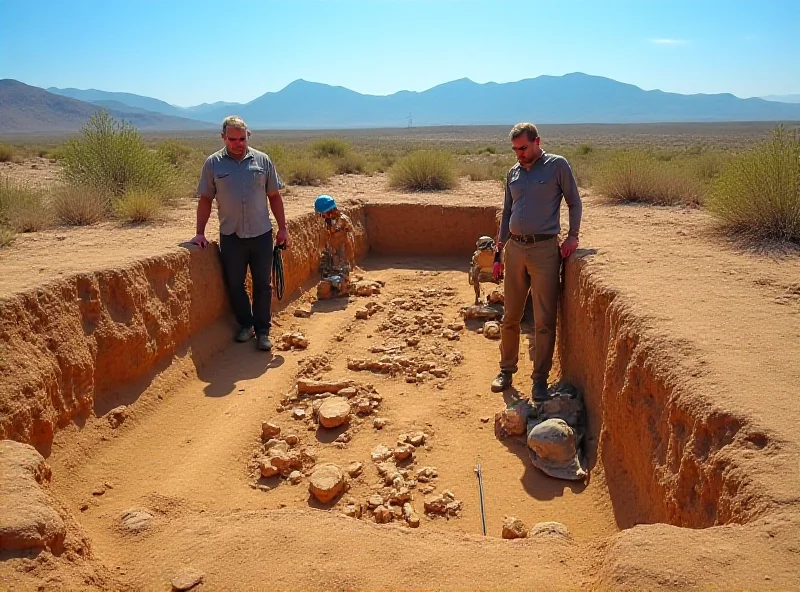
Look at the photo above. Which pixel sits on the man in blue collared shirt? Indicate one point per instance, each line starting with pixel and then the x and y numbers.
pixel 242 180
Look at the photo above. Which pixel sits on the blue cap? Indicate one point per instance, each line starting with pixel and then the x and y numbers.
pixel 323 204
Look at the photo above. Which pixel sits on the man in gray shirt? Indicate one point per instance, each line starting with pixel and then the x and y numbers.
pixel 242 180
pixel 529 230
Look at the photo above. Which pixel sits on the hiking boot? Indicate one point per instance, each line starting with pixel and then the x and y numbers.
pixel 502 382
pixel 264 344
pixel 539 390
pixel 244 334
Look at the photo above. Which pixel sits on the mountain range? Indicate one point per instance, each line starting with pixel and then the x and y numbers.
pixel 572 98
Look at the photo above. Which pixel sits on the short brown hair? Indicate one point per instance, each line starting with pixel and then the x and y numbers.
pixel 233 121
pixel 527 128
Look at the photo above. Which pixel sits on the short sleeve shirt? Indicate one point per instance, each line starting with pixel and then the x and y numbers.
pixel 240 188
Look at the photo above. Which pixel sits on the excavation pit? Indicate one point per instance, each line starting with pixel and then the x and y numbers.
pixel 187 446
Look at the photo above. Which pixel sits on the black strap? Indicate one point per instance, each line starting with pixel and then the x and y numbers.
pixel 277 271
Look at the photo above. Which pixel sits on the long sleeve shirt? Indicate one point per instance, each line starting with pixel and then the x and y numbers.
pixel 533 198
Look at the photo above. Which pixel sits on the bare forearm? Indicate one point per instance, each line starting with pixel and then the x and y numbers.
pixel 276 205
pixel 203 214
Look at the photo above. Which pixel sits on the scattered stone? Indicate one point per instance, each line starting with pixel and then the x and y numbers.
pixel 291 439
pixel 270 430
pixel 354 469
pixel 381 453
pixel 383 515
pixel 302 312
pixel 348 392
pixel 375 500
pixel 491 330
pixel 366 288
pixel 482 312
pixel 403 452
pixel 117 416
pixel 135 520
pixel 444 504
pixel 362 313
pixel 512 421
pixel 410 515
pixel 495 296
pixel 514 528
pixel 485 419
pixel 456 326
pixel 550 529
pixel 298 413
pixel 334 412
pixel 187 579
pixel 352 510
pixel 426 474
pixel 326 482
pixel 99 490
pixel 450 335
pixel 416 438
pixel 344 438
pixel 379 423
pixel 317 387
pixel 295 477
pixel 292 340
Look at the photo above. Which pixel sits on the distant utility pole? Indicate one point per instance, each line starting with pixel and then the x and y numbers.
pixel 409 126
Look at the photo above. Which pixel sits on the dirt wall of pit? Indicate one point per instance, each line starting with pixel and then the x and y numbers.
pixel 428 230
pixel 669 453
pixel 67 344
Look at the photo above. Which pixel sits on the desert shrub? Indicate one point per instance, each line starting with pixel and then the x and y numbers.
pixel 303 170
pixel 173 152
pixel 23 208
pixel 276 153
pixel 484 171
pixel 111 157
pixel 758 193
pixel 585 149
pixel 424 170
pixel 330 147
pixel 350 163
pixel 138 205
pixel 6 153
pixel 74 205
pixel 7 236
pixel 634 176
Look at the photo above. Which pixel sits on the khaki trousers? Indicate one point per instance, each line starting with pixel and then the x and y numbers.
pixel 542 262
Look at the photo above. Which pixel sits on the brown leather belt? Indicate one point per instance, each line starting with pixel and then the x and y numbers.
pixel 532 238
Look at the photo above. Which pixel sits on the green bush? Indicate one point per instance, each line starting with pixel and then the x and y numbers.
pixel 23 208
pixel 7 236
pixel 80 206
pixel 424 170
pixel 758 194
pixel 173 152
pixel 6 153
pixel 330 147
pixel 585 149
pixel 111 157
pixel 301 170
pixel 484 171
pixel 138 206
pixel 634 176
pixel 350 163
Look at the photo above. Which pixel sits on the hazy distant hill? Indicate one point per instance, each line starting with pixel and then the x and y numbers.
pixel 572 98
pixel 783 98
pixel 25 108
pixel 96 96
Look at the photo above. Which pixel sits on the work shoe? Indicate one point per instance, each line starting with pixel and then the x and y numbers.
pixel 539 390
pixel 502 382
pixel 264 344
pixel 244 334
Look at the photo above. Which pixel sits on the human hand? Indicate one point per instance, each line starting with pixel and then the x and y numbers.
pixel 200 240
pixel 497 270
pixel 568 247
pixel 282 238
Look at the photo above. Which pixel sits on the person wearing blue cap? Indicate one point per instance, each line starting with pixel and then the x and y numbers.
pixel 339 239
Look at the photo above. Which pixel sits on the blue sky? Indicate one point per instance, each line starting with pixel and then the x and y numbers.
pixel 192 52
